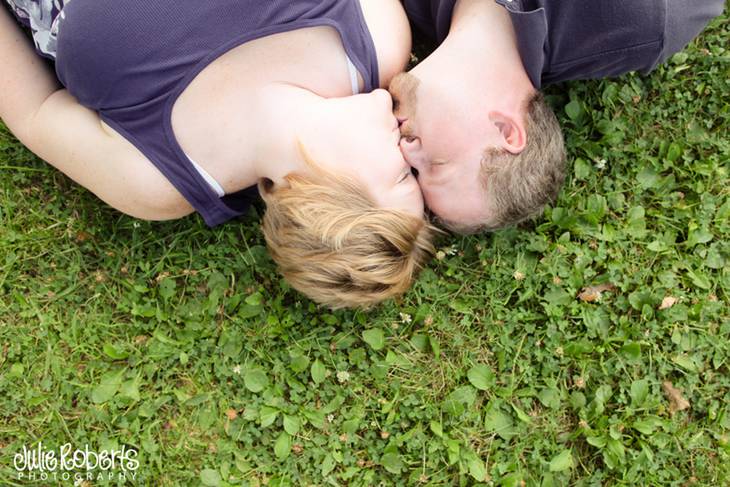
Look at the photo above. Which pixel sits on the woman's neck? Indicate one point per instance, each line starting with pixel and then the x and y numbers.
pixel 285 113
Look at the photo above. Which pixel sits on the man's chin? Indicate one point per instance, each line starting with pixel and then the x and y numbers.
pixel 406 129
pixel 403 90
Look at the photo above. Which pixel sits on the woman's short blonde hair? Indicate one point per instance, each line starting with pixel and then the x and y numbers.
pixel 333 244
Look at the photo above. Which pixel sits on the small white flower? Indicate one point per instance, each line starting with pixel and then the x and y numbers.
pixel 136 224
pixel 405 317
pixel 237 369
pixel 330 418
pixel 601 164
pixel 343 376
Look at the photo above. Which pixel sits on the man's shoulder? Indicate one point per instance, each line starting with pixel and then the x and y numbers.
pixel 578 40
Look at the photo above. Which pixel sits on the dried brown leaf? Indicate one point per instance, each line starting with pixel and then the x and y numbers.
pixel 667 302
pixel 591 294
pixel 231 414
pixel 83 236
pixel 677 402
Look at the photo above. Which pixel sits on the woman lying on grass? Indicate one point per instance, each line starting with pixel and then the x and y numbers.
pixel 166 108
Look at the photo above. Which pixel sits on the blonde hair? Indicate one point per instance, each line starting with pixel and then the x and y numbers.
pixel 333 244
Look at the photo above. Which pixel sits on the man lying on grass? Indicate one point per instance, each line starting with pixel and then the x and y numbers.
pixel 488 150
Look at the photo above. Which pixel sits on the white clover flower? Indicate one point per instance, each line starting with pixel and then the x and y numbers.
pixel 237 369
pixel 343 376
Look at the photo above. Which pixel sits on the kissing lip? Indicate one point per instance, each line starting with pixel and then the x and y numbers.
pixel 401 120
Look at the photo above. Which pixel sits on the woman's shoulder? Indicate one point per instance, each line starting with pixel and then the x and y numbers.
pixel 146 192
pixel 391 35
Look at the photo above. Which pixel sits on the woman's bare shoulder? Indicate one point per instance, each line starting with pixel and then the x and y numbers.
pixel 147 193
pixel 391 35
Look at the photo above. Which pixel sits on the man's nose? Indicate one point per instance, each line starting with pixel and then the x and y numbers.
pixel 413 153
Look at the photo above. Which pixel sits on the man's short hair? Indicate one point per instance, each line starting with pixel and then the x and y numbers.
pixel 332 243
pixel 518 186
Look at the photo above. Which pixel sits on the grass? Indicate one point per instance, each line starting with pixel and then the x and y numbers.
pixel 183 343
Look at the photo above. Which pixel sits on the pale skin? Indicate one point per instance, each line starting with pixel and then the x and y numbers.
pixel 448 121
pixel 245 117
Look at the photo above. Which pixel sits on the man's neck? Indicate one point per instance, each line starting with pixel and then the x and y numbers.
pixel 483 29
pixel 482 47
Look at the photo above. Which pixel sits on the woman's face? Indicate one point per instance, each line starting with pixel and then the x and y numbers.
pixel 357 136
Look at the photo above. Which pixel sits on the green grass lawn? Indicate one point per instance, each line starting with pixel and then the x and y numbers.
pixel 588 347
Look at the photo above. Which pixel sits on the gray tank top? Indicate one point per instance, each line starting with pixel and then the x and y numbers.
pixel 130 60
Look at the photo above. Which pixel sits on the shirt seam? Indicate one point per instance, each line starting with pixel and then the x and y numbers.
pixel 606 53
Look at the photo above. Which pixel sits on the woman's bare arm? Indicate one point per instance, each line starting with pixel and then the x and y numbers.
pixel 26 81
pixel 54 126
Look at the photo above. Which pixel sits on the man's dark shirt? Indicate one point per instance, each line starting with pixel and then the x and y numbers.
pixel 561 40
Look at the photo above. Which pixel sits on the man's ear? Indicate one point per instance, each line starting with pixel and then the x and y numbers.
pixel 267 187
pixel 512 131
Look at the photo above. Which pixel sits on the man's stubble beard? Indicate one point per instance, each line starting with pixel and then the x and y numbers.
pixel 403 88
